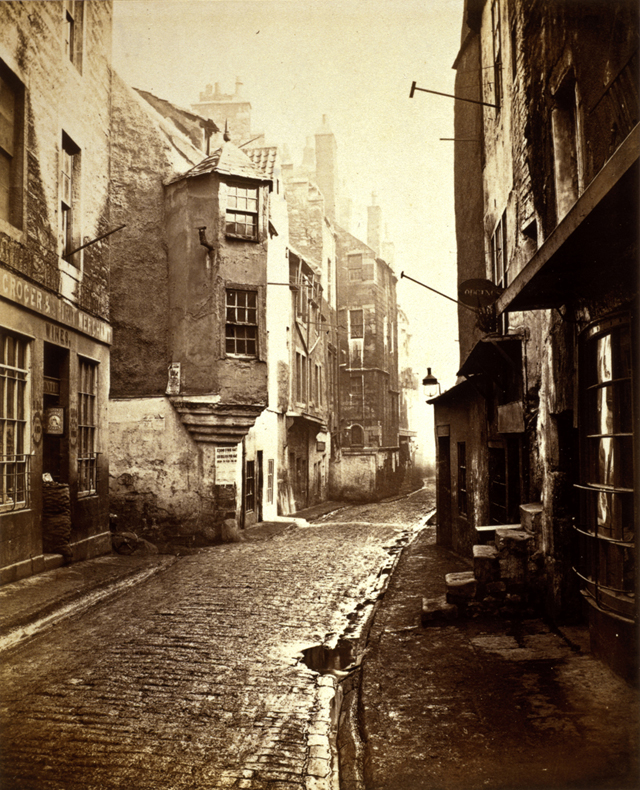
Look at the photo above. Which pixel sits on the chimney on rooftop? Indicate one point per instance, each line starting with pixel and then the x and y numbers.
pixel 327 167
pixel 374 225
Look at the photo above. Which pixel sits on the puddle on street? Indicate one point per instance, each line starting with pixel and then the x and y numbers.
pixel 329 660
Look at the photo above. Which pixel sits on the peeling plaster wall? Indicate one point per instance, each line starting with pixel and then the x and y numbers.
pixel 157 472
pixel 146 151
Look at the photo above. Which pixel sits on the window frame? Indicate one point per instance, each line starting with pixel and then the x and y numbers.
pixel 353 333
pixel 13 150
pixel 87 393
pixel 232 331
pixel 14 420
pixel 605 525
pixel 250 487
pixel 461 480
pixel 69 182
pixel 237 211
pixel 496 37
pixel 73 31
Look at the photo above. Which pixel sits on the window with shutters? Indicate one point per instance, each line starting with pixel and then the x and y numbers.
pixel 14 452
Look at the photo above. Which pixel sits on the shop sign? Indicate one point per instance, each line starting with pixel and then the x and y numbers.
pixel 226 465
pixel 478 293
pixel 17 290
pixel 54 421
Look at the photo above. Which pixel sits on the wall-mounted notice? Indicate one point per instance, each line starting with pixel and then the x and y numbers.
pixel 226 464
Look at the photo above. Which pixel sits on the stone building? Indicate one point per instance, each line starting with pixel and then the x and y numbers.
pixel 189 277
pixel 55 335
pixel 538 434
pixel 368 380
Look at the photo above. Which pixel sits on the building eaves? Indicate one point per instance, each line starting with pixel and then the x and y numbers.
pixel 227 160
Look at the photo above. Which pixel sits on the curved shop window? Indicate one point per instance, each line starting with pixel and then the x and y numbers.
pixel 605 523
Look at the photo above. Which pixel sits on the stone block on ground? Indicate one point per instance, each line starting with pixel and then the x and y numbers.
pixel 461 587
pixel 531 517
pixel 485 563
pixel 436 611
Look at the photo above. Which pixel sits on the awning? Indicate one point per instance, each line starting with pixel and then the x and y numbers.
pixel 594 245
pixel 494 355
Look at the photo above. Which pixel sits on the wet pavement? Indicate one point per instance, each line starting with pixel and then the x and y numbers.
pixel 195 677
pixel 481 703
pixel 274 662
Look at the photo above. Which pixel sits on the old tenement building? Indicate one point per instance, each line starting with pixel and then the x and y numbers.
pixel 538 432
pixel 55 95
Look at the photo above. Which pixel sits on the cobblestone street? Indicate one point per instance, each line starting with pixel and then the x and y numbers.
pixel 194 678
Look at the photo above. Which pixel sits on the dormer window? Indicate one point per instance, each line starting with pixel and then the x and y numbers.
pixel 242 212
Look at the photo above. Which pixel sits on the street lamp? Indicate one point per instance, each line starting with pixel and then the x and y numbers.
pixel 431 385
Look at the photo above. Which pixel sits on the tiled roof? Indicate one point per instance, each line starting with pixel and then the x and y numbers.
pixel 229 160
pixel 264 159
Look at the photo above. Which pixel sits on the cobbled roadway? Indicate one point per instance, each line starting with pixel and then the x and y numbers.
pixel 193 679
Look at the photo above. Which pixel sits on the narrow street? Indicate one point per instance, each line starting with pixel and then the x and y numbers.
pixel 195 678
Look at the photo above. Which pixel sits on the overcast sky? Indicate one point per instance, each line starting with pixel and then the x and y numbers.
pixel 354 61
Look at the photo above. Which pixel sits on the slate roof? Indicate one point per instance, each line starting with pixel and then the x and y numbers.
pixel 229 160
pixel 264 158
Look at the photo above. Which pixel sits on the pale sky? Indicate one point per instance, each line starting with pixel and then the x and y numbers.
pixel 354 61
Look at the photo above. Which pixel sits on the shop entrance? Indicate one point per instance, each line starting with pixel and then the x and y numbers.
pixel 55 459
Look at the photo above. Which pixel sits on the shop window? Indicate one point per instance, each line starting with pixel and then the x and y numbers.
pixel 241 332
pixel 270 480
pixel 242 212
pixel 250 487
pixel 14 461
pixel 87 423
pixel 356 324
pixel 73 32
pixel 11 146
pixel 606 518
pixel 69 196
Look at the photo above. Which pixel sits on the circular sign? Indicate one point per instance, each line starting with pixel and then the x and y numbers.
pixel 478 293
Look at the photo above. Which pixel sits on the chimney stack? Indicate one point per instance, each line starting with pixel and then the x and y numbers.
pixel 374 225
pixel 327 167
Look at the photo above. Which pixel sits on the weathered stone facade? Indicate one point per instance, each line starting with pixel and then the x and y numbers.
pixel 556 161
pixel 56 74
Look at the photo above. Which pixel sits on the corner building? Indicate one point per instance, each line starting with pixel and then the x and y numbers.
pixel 539 434
pixel 55 94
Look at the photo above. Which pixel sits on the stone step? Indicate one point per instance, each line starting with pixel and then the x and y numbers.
pixel 461 587
pixel 436 611
pixel 486 567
